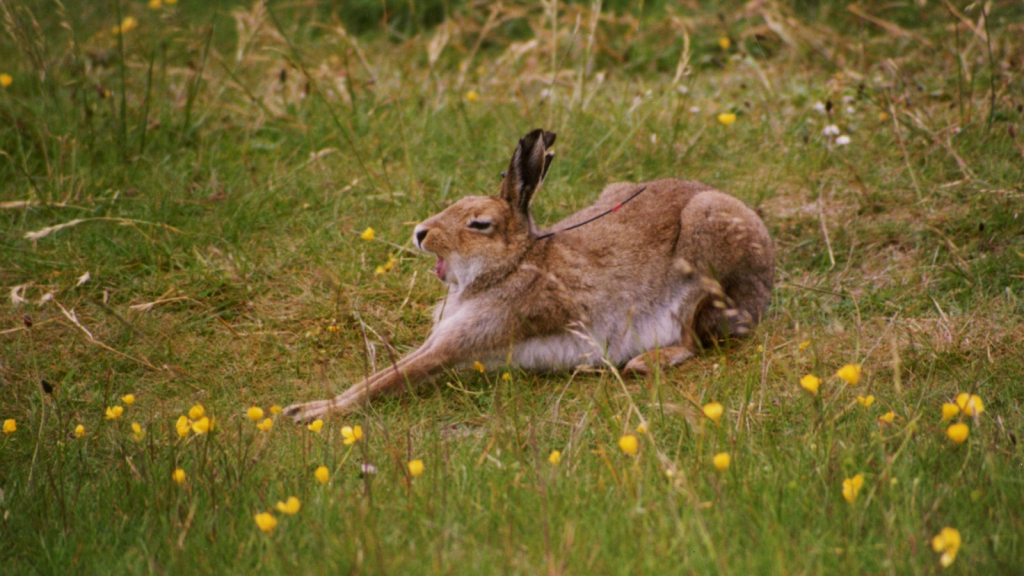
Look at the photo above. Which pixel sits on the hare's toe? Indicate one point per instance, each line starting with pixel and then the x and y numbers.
pixel 308 411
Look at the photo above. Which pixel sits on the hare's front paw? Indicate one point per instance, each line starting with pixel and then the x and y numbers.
pixel 308 411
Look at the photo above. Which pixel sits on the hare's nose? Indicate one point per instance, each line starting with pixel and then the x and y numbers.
pixel 420 236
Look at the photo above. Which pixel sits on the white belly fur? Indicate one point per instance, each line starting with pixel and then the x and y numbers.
pixel 619 343
pixel 614 337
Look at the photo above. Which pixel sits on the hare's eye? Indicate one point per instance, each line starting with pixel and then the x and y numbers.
pixel 481 225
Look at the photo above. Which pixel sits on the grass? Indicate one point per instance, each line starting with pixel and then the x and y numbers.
pixel 223 160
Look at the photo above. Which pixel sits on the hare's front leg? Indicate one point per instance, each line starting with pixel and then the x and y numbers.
pixel 424 362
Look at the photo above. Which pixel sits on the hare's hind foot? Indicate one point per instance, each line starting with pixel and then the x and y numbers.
pixel 643 364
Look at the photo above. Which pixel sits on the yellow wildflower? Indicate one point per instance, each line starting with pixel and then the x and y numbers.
pixel 254 413
pixel 127 25
pixel 803 345
pixel 949 411
pixel 114 412
pixel 416 468
pixel 714 411
pixel 727 118
pixel 183 426
pixel 851 487
pixel 724 43
pixel 178 476
pixel 352 434
pixel 290 507
pixel 367 234
pixel 721 461
pixel 322 475
pixel 555 457
pixel 202 426
pixel 137 432
pixel 196 412
pixel 958 432
pixel 506 376
pixel 947 542
pixel 266 522
pixel 316 425
pixel 850 374
pixel 79 431
pixel 866 401
pixel 888 417
pixel 810 383
pixel 6 80
pixel 155 4
pixel 266 425
pixel 478 366
pixel 334 328
pixel 10 426
pixel 276 409
pixel 472 96
pixel 642 428
pixel 629 444
pixel 970 403
pixel 128 399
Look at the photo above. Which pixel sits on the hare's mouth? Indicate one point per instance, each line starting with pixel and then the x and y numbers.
pixel 441 268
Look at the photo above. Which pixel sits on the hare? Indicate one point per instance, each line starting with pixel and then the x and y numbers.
pixel 657 270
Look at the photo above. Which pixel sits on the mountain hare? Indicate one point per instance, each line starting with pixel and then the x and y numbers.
pixel 657 268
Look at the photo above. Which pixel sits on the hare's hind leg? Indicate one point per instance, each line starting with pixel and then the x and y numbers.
pixel 664 357
pixel 643 364
pixel 733 314
pixel 734 258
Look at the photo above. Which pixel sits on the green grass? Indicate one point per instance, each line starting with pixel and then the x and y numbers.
pixel 225 179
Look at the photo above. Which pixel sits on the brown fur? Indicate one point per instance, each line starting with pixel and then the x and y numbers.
pixel 679 264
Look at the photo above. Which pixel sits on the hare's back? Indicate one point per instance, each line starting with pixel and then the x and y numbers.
pixel 672 222
pixel 660 202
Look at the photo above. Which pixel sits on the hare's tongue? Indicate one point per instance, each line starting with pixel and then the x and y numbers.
pixel 441 268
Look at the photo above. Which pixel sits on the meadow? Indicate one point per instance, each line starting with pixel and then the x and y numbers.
pixel 188 193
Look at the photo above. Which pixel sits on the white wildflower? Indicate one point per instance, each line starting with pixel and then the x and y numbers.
pixel 16 297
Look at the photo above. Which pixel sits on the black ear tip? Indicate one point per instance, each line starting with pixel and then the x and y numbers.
pixel 539 134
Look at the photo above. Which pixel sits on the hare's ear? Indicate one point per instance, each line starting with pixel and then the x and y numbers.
pixel 526 171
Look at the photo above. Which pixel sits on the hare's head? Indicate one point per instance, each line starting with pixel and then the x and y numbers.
pixel 489 234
